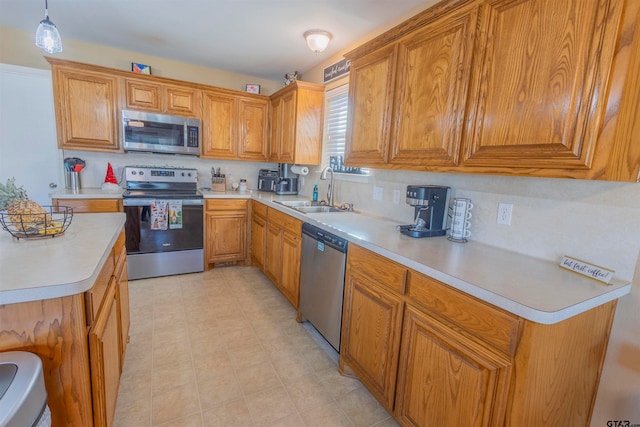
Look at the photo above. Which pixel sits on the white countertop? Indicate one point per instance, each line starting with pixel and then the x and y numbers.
pixel 69 264
pixel 537 290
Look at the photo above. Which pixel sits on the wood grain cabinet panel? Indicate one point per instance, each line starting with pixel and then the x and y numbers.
pixel 219 113
pixel 258 235
pixel 85 106
pixel 91 205
pixel 433 70
pixel 539 93
pixel 276 249
pixel 143 95
pixel 148 95
pixel 253 129
pixel 226 231
pixel 104 352
pixel 371 89
pixel 296 124
pixel 181 101
pixel 447 380
pixel 371 327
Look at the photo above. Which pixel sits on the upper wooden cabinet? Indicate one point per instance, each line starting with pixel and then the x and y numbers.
pixel 296 124
pixel 85 105
pixel 522 87
pixel 162 98
pixel 540 85
pixel 234 127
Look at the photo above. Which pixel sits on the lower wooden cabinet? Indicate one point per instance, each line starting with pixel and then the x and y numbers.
pixel 446 378
pixel 433 355
pixel 372 321
pixel 122 296
pixel 225 231
pixel 91 205
pixel 104 354
pixel 276 249
pixel 258 234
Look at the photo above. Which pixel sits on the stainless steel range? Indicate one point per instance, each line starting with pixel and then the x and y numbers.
pixel 164 226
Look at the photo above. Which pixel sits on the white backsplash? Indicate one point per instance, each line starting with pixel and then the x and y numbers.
pixel 94 174
pixel 597 221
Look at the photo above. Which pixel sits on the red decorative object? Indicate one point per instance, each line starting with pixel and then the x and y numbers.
pixel 111 177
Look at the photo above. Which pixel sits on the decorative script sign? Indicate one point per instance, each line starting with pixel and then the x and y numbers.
pixel 336 70
pixel 593 271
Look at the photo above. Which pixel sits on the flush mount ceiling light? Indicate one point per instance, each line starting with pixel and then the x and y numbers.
pixel 317 40
pixel 47 35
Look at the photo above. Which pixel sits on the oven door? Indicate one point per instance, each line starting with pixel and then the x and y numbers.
pixel 143 238
pixel 153 251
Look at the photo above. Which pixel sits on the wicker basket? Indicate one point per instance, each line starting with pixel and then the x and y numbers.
pixel 38 226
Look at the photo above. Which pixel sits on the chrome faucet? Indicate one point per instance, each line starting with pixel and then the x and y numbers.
pixel 323 176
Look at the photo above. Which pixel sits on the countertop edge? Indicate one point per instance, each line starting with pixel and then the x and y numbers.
pixel 63 289
pixel 519 309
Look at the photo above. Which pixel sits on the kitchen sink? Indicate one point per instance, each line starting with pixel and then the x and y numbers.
pixel 307 206
pixel 317 209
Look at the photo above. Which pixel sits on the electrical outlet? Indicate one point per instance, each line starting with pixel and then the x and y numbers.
pixel 504 213
pixel 377 193
pixel 396 197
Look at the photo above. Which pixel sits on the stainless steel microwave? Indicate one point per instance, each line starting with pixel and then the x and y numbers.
pixel 160 133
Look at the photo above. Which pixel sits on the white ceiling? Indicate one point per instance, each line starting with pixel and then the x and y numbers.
pixel 261 38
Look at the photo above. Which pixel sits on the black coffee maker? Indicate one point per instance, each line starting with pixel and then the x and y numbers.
pixel 430 203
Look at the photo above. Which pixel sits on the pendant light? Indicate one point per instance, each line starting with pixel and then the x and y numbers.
pixel 47 35
pixel 317 40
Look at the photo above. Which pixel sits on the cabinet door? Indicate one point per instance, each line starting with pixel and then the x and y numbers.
pixel 182 101
pixel 370 344
pixel 86 110
pixel 142 95
pixel 431 90
pixel 219 125
pixel 124 315
pixel 288 133
pixel 254 129
pixel 446 379
pixel 226 236
pixel 540 90
pixel 258 241
pixel 290 284
pixel 371 86
pixel 273 263
pixel 276 130
pixel 104 354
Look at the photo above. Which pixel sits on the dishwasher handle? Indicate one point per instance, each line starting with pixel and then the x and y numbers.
pixel 329 239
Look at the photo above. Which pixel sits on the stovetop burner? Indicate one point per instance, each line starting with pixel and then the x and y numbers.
pixel 161 182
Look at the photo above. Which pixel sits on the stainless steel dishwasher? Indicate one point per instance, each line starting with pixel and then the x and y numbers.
pixel 322 281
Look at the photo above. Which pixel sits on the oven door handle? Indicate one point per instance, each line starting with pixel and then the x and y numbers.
pixel 147 202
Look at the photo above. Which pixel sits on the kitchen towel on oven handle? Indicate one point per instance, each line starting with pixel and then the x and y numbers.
pixel 175 214
pixel 159 215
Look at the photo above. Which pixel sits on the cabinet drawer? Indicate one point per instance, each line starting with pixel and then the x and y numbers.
pixel 259 209
pixel 227 204
pixel 486 322
pixel 378 268
pixel 91 205
pixel 95 295
pixel 285 221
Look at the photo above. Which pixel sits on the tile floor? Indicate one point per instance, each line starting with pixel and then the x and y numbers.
pixel 222 348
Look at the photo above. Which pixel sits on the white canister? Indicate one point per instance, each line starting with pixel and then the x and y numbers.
pixel 243 185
